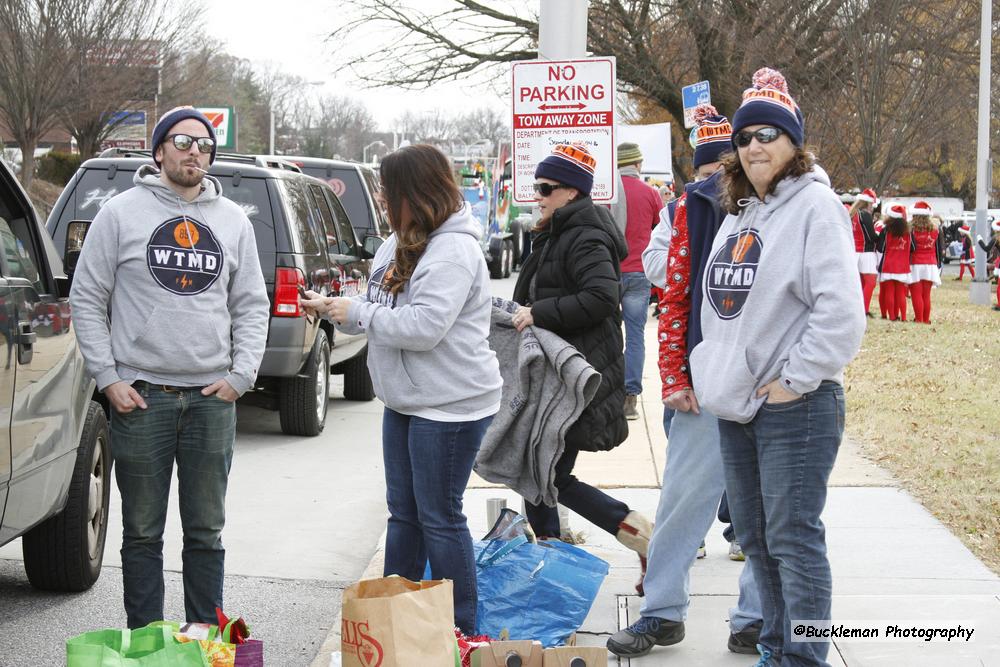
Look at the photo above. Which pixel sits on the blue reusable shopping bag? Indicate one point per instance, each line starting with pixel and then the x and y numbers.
pixel 533 591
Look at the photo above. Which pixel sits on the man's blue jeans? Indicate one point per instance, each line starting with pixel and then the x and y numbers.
pixel 692 484
pixel 635 310
pixel 777 468
pixel 197 432
pixel 427 467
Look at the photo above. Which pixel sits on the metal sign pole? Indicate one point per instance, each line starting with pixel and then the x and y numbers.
pixel 979 291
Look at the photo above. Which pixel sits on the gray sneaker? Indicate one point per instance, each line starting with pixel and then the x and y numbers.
pixel 630 410
pixel 639 638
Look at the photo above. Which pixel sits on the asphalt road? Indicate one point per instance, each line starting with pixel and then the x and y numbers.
pixel 304 516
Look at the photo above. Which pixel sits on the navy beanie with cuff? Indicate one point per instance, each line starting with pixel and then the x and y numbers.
pixel 174 116
pixel 571 165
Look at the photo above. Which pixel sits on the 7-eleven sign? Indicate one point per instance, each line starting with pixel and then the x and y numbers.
pixel 223 120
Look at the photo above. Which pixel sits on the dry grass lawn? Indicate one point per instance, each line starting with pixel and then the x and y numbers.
pixel 924 401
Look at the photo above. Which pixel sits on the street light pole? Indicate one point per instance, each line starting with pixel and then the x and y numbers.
pixel 979 291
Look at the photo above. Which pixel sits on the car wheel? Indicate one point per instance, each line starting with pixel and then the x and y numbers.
pixel 357 379
pixel 303 400
pixel 508 257
pixel 496 265
pixel 65 552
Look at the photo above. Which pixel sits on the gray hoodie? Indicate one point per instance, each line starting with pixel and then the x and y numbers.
pixel 782 299
pixel 178 315
pixel 428 352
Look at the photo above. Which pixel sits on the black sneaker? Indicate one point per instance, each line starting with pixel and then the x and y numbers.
pixel 639 638
pixel 745 641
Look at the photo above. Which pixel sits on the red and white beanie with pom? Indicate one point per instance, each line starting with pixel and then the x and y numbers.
pixel 869 196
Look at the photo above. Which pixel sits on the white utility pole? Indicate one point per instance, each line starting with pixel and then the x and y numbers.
pixel 562 29
pixel 979 291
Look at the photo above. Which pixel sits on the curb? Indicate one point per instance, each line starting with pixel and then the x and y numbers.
pixel 331 644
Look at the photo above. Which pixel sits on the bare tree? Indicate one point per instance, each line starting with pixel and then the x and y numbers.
pixel 33 72
pixel 435 127
pixel 662 45
pixel 334 127
pixel 483 124
pixel 115 53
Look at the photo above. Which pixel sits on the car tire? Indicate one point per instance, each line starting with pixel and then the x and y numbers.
pixel 303 400
pixel 508 257
pixel 66 551
pixel 496 265
pixel 357 379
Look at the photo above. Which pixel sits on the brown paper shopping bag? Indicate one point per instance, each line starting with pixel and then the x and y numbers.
pixel 395 622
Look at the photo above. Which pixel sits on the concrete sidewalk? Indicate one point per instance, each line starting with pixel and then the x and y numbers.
pixel 891 560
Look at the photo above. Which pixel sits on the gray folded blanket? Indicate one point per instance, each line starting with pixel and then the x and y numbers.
pixel 546 385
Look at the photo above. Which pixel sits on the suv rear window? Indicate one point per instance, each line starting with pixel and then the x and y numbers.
pixel 94 189
pixel 347 185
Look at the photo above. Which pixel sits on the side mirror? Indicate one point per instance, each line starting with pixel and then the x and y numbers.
pixel 76 232
pixel 372 244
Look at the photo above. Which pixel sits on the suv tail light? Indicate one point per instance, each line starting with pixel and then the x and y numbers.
pixel 286 292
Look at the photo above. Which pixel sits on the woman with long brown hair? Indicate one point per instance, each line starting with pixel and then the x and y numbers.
pixel 780 321
pixel 865 239
pixel 925 261
pixel 894 270
pixel 427 315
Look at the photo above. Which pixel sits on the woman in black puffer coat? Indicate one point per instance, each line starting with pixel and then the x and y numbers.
pixel 570 285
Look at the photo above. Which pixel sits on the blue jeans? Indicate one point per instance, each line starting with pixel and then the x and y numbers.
pixel 635 310
pixel 197 432
pixel 692 484
pixel 427 467
pixel 777 467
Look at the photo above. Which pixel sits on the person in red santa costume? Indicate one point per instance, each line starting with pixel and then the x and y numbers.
pixel 880 239
pixel 968 258
pixel 994 244
pixel 865 239
pixel 925 261
pixel 894 271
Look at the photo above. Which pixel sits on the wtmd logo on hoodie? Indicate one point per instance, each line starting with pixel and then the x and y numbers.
pixel 184 256
pixel 731 273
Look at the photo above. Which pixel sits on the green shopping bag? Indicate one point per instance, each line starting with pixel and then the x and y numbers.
pixel 151 646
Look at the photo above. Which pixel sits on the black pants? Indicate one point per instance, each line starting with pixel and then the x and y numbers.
pixel 592 504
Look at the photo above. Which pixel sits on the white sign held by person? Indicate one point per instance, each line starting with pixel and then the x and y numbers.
pixel 563 102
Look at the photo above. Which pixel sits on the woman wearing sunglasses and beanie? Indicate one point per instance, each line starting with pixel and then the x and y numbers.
pixel 570 285
pixel 427 315
pixel 780 320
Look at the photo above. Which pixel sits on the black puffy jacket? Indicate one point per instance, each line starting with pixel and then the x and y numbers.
pixel 577 294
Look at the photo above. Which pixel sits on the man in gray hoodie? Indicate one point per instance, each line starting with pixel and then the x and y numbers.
pixel 171 315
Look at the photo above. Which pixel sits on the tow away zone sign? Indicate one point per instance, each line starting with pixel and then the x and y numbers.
pixel 563 101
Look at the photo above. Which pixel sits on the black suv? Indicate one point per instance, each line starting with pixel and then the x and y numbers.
pixel 355 184
pixel 304 240
pixel 55 461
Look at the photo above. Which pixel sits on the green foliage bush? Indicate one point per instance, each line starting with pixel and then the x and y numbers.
pixel 57 167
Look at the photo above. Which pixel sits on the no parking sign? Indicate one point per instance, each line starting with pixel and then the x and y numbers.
pixel 563 102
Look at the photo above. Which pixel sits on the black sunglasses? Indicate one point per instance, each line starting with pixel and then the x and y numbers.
pixel 545 189
pixel 182 142
pixel 765 135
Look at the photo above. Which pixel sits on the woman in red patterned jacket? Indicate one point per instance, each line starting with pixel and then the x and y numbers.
pixel 865 238
pixel 894 271
pixel 925 262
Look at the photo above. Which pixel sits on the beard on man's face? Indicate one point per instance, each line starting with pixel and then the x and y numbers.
pixel 178 172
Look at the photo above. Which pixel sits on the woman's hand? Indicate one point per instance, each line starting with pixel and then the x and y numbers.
pixel 332 307
pixel 776 393
pixel 522 318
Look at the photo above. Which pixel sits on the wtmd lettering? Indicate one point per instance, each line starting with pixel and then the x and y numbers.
pixel 184 259
pixel 741 276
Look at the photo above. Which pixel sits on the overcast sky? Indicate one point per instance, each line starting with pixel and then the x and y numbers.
pixel 292 38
